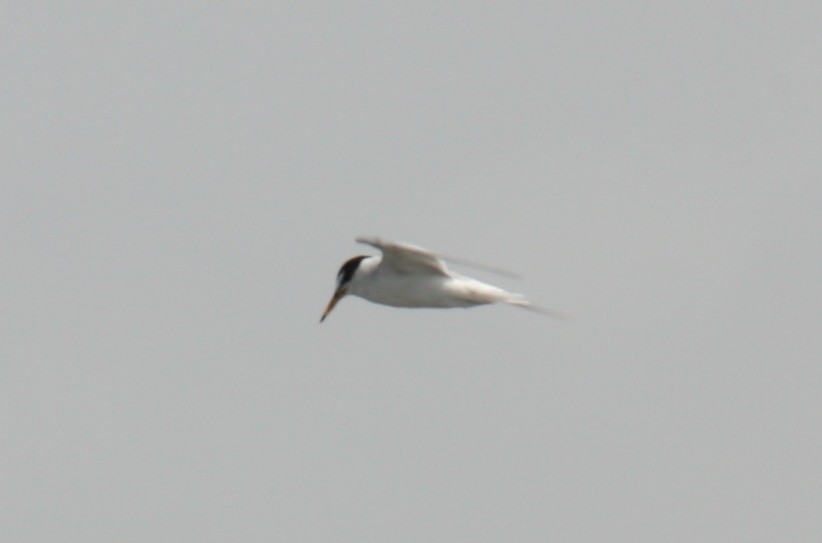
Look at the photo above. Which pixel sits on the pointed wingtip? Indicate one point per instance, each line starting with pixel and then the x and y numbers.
pixel 368 240
pixel 481 267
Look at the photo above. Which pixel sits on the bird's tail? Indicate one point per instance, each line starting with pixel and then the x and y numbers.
pixel 518 300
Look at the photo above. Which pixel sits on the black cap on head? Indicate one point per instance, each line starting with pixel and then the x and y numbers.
pixel 347 270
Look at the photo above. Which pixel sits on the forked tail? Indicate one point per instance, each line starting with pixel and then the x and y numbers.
pixel 518 300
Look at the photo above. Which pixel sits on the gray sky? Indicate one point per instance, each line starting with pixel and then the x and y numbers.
pixel 181 182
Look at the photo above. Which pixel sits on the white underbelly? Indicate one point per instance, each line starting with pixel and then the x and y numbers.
pixel 428 291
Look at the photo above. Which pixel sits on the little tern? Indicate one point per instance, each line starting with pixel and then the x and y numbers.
pixel 410 276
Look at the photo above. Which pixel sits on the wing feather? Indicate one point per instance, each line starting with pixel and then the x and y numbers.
pixel 405 258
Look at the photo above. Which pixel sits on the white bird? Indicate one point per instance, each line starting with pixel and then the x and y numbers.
pixel 409 276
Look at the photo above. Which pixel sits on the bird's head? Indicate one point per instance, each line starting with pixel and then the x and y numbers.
pixel 346 274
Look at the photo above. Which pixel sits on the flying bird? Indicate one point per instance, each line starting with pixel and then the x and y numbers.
pixel 410 276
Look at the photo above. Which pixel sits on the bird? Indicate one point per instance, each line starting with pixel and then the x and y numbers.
pixel 406 275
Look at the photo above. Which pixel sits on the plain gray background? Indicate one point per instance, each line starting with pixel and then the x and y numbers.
pixel 181 181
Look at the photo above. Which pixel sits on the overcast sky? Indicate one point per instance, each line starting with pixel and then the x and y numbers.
pixel 180 182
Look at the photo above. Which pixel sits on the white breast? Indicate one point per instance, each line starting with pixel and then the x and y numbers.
pixel 384 286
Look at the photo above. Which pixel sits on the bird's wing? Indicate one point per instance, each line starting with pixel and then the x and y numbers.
pixel 405 258
pixel 435 262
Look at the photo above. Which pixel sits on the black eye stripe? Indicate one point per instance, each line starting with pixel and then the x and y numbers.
pixel 347 270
